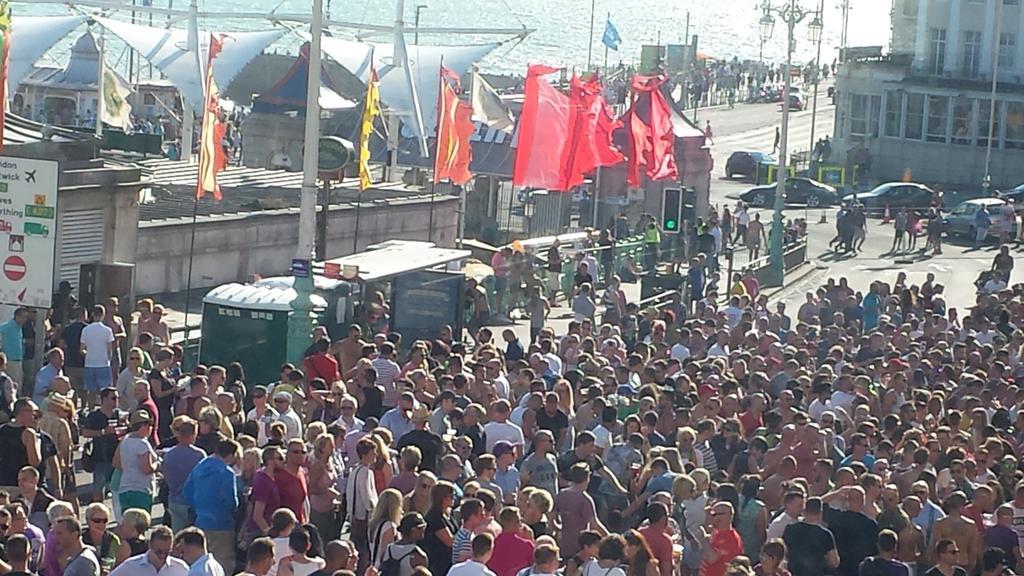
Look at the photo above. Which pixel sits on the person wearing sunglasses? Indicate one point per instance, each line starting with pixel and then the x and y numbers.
pixel 157 559
pixel 291 479
pixel 99 536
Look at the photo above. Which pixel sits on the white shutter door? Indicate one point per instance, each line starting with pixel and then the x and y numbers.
pixel 81 241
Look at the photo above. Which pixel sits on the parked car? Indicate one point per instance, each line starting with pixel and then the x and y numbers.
pixel 960 221
pixel 894 195
pixel 744 163
pixel 796 102
pixel 799 190
pixel 1015 194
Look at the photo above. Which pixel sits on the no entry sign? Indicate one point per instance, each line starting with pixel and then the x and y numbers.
pixel 14 268
pixel 28 231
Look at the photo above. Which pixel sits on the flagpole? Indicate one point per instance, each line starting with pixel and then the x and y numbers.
pixel 437 149
pixel 590 45
pixel 191 257
pixel 100 55
pixel 188 115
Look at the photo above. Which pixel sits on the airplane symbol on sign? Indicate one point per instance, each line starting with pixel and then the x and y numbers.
pixel 30 176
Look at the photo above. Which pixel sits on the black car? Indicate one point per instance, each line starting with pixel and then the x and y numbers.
pixel 744 163
pixel 894 195
pixel 799 190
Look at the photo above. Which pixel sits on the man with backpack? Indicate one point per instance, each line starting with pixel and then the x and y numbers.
pixel 404 554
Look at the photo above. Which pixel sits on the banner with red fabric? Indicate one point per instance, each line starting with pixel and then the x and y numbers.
pixel 212 158
pixel 543 132
pixel 651 137
pixel 590 133
pixel 454 129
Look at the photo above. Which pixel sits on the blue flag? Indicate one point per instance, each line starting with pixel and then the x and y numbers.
pixel 611 36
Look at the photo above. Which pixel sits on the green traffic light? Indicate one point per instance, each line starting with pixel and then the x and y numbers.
pixel 671 224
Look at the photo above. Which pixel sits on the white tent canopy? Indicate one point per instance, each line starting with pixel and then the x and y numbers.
pixel 168 51
pixel 31 37
pixel 425 65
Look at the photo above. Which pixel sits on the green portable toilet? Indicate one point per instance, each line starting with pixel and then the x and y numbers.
pixel 249 324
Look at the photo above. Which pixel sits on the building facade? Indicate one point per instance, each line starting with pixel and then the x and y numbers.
pixel 925 111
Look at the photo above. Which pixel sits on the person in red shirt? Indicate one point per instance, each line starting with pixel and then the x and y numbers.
pixel 656 535
pixel 980 505
pixel 512 551
pixel 723 545
pixel 321 364
pixel 291 480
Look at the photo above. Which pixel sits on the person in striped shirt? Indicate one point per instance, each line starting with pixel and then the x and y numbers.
pixel 388 372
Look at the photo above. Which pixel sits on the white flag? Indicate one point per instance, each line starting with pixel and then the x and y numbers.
pixel 489 108
pixel 116 109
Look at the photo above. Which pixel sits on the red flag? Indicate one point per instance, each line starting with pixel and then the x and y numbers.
pixel 543 132
pixel 212 158
pixel 651 139
pixel 590 139
pixel 454 129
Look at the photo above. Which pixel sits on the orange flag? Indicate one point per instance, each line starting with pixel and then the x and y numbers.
pixel 454 129
pixel 212 158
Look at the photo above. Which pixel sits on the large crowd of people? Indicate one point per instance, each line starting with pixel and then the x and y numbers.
pixel 860 434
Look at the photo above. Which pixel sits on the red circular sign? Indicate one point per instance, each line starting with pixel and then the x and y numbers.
pixel 14 268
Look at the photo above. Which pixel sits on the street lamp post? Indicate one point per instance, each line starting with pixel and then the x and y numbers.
pixel 791 14
pixel 416 32
pixel 300 322
pixel 817 73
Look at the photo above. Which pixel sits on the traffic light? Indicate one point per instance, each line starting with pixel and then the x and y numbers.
pixel 671 210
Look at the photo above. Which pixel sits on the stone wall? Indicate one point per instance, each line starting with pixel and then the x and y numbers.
pixel 232 248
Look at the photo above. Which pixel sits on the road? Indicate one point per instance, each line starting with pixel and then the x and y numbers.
pixel 752 127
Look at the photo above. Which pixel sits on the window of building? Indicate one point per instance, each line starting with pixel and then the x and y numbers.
pixel 937 50
pixel 149 99
pixel 915 116
pixel 963 120
pixel 1014 137
pixel 875 115
pixel 910 7
pixel 1007 49
pixel 984 113
pixel 938 118
pixel 1011 2
pixel 972 53
pixel 858 115
pixel 893 113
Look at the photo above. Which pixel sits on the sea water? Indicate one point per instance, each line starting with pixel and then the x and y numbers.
pixel 726 28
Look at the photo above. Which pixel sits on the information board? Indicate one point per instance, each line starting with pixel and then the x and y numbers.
pixel 424 301
pixel 28 231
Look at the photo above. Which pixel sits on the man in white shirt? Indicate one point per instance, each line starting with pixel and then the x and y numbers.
pixel 680 350
pixel 733 312
pixel 157 561
pixel 285 413
pixel 98 340
pixel 483 545
pixel 792 509
pixel 605 431
pixel 262 414
pixel 361 495
pixel 501 385
pixel 191 542
pixel 499 428
pixel 721 346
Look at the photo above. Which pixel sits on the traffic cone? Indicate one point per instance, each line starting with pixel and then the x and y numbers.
pixel 885 217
